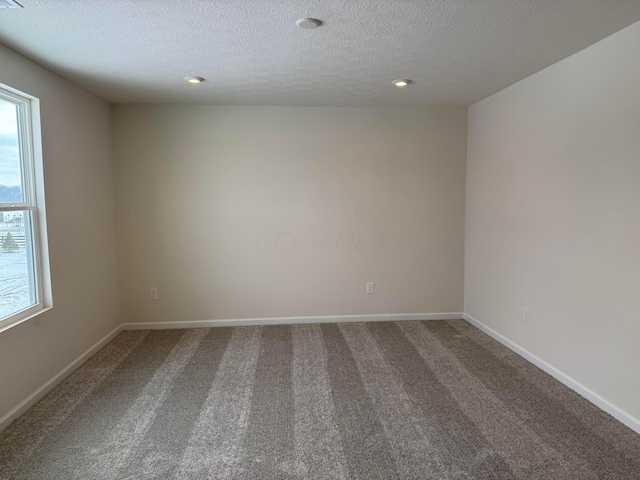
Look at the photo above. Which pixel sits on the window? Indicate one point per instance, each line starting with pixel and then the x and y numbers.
pixel 24 278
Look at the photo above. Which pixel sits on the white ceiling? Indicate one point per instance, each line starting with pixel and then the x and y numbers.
pixel 251 52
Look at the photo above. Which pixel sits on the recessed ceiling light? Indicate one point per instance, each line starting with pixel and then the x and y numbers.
pixel 308 23
pixel 401 83
pixel 194 80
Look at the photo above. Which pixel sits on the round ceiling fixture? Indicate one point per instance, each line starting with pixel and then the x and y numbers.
pixel 308 23
pixel 194 80
pixel 401 83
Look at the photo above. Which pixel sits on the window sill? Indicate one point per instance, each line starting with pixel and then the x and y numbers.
pixel 22 317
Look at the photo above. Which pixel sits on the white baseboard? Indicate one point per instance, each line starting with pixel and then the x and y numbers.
pixel 238 322
pixel 57 378
pixel 616 412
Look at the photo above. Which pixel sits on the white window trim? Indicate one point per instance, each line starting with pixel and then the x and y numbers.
pixel 33 201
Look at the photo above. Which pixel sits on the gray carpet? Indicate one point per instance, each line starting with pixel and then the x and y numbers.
pixel 406 400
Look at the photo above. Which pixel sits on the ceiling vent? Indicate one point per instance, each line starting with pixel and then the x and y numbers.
pixel 9 4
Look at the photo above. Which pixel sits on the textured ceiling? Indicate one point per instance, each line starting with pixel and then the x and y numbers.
pixel 251 52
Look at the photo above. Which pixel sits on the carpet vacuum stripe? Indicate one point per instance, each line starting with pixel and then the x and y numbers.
pixel 159 453
pixel 357 401
pixel 527 455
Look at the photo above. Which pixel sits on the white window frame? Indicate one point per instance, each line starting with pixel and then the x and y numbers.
pixel 33 201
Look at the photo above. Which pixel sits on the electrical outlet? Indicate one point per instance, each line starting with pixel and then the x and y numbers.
pixel 371 288
pixel 527 315
pixel 153 294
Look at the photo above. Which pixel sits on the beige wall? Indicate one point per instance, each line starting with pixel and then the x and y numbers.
pixel 76 131
pixel 553 216
pixel 245 212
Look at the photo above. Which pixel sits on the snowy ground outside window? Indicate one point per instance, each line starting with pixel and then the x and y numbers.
pixel 14 279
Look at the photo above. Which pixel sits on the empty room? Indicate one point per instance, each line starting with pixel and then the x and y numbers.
pixel 324 240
